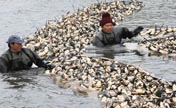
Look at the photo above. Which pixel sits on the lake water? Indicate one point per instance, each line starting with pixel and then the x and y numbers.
pixel 23 17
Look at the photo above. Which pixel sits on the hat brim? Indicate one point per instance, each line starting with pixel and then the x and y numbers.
pixel 17 41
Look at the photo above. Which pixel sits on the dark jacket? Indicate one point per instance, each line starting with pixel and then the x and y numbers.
pixel 10 61
pixel 112 38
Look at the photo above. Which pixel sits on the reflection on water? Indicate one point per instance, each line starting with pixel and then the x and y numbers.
pixel 112 51
pixel 20 79
pixel 33 89
pixel 108 54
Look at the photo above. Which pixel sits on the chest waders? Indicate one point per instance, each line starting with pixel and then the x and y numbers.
pixel 22 65
pixel 109 41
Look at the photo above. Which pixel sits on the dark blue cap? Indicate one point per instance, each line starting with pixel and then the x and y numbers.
pixel 15 39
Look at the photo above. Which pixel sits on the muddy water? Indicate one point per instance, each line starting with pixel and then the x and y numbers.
pixel 36 90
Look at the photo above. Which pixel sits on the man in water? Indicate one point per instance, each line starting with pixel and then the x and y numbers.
pixel 110 35
pixel 19 58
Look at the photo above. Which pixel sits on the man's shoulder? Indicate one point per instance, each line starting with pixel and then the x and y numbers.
pixel 98 34
pixel 26 49
pixel 5 53
pixel 117 28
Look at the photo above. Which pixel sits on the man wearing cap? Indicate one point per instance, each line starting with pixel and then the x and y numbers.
pixel 19 58
pixel 110 35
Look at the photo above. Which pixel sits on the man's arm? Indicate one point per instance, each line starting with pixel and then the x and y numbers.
pixel 126 33
pixel 129 34
pixel 137 30
pixel 39 62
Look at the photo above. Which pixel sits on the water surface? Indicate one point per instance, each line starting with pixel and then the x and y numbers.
pixel 23 17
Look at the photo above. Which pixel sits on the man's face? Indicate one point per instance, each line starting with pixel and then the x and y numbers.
pixel 16 47
pixel 107 27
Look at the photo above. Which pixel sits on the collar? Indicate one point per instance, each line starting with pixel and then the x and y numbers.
pixel 106 32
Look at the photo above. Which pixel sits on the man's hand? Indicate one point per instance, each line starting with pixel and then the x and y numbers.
pixel 50 66
pixel 137 30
